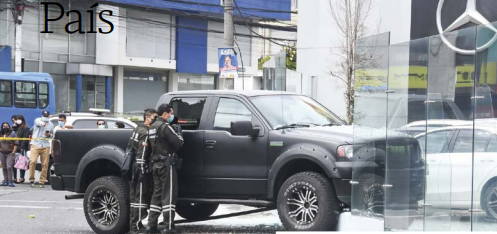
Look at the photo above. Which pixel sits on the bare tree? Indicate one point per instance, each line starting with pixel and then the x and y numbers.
pixel 350 18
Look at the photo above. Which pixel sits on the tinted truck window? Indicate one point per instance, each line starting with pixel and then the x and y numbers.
pixel 188 111
pixel 230 110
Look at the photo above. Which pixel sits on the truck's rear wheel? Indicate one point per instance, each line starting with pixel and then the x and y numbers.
pixel 307 202
pixel 106 205
pixel 195 211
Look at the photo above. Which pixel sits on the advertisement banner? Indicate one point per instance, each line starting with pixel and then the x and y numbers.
pixel 228 63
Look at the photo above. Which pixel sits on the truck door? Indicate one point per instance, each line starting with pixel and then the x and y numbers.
pixel 190 111
pixel 234 166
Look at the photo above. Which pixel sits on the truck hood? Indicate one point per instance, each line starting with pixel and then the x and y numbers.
pixel 345 133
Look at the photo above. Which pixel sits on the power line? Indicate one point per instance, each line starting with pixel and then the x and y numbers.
pixel 265 38
pixel 157 22
pixel 198 16
pixel 218 6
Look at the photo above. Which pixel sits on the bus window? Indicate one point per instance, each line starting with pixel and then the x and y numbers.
pixel 5 93
pixel 25 94
pixel 43 95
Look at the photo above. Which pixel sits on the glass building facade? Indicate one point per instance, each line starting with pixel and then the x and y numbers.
pixel 439 94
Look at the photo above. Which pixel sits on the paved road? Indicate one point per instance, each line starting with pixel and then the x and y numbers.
pixel 53 214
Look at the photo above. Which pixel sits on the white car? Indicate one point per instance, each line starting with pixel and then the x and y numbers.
pixel 452 176
pixel 418 127
pixel 83 120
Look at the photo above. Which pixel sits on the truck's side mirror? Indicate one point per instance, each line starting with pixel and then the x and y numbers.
pixel 243 128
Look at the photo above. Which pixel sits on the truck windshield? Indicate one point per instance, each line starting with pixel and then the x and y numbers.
pixel 286 110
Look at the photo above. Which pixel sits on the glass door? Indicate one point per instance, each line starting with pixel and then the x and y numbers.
pixel 88 93
pixel 484 189
pixel 100 92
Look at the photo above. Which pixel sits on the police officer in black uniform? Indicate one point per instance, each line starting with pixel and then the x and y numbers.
pixel 164 141
pixel 141 181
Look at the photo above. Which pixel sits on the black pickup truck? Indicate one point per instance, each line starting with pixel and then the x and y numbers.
pixel 255 148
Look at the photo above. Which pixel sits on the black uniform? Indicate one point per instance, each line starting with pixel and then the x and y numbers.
pixel 165 142
pixel 141 182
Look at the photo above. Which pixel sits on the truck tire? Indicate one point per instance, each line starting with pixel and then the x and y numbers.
pixel 369 194
pixel 489 201
pixel 307 201
pixel 195 211
pixel 106 205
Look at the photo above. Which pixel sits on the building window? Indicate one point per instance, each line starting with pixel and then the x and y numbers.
pixel 25 94
pixel 43 95
pixel 5 93
pixel 149 35
pixel 195 82
pixel 142 89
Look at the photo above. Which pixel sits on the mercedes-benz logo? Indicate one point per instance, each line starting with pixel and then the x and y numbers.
pixel 470 15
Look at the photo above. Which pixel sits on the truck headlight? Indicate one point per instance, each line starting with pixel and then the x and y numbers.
pixel 345 151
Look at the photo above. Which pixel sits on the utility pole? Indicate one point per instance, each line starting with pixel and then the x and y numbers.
pixel 228 24
pixel 17 14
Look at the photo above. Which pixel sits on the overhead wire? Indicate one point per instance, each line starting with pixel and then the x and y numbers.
pixel 250 28
pixel 160 2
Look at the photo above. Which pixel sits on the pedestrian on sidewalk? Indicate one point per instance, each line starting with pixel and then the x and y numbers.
pixel 22 131
pixel 40 146
pixel 7 149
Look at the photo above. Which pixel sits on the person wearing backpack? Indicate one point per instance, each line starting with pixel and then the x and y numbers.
pixel 141 183
pixel 22 131
pixel 7 149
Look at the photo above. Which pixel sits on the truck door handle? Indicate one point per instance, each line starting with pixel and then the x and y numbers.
pixel 210 144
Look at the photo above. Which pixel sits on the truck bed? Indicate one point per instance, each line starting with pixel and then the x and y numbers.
pixel 76 143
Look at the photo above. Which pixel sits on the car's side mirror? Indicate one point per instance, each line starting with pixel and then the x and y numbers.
pixel 243 128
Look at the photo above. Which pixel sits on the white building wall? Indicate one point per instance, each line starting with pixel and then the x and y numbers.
pixel 319 39
pixel 112 47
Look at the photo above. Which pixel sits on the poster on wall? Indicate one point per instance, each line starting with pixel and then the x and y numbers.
pixel 228 63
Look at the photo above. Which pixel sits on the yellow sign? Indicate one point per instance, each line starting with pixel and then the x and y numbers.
pixel 416 77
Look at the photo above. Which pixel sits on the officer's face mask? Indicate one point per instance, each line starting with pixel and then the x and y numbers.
pixel 44 119
pixel 170 119
pixel 152 119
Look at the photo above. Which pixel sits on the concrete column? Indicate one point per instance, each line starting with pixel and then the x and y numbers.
pixel 107 92
pixel 172 82
pixel 79 92
pixel 119 90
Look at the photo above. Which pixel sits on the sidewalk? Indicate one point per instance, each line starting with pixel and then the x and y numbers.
pixel 26 177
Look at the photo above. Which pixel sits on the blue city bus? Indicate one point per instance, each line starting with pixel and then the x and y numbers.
pixel 27 94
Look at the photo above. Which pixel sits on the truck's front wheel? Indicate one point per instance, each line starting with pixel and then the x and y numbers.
pixel 195 211
pixel 307 202
pixel 106 205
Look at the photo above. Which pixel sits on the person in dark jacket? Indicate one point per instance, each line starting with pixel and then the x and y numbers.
pixel 141 183
pixel 164 142
pixel 8 147
pixel 22 131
